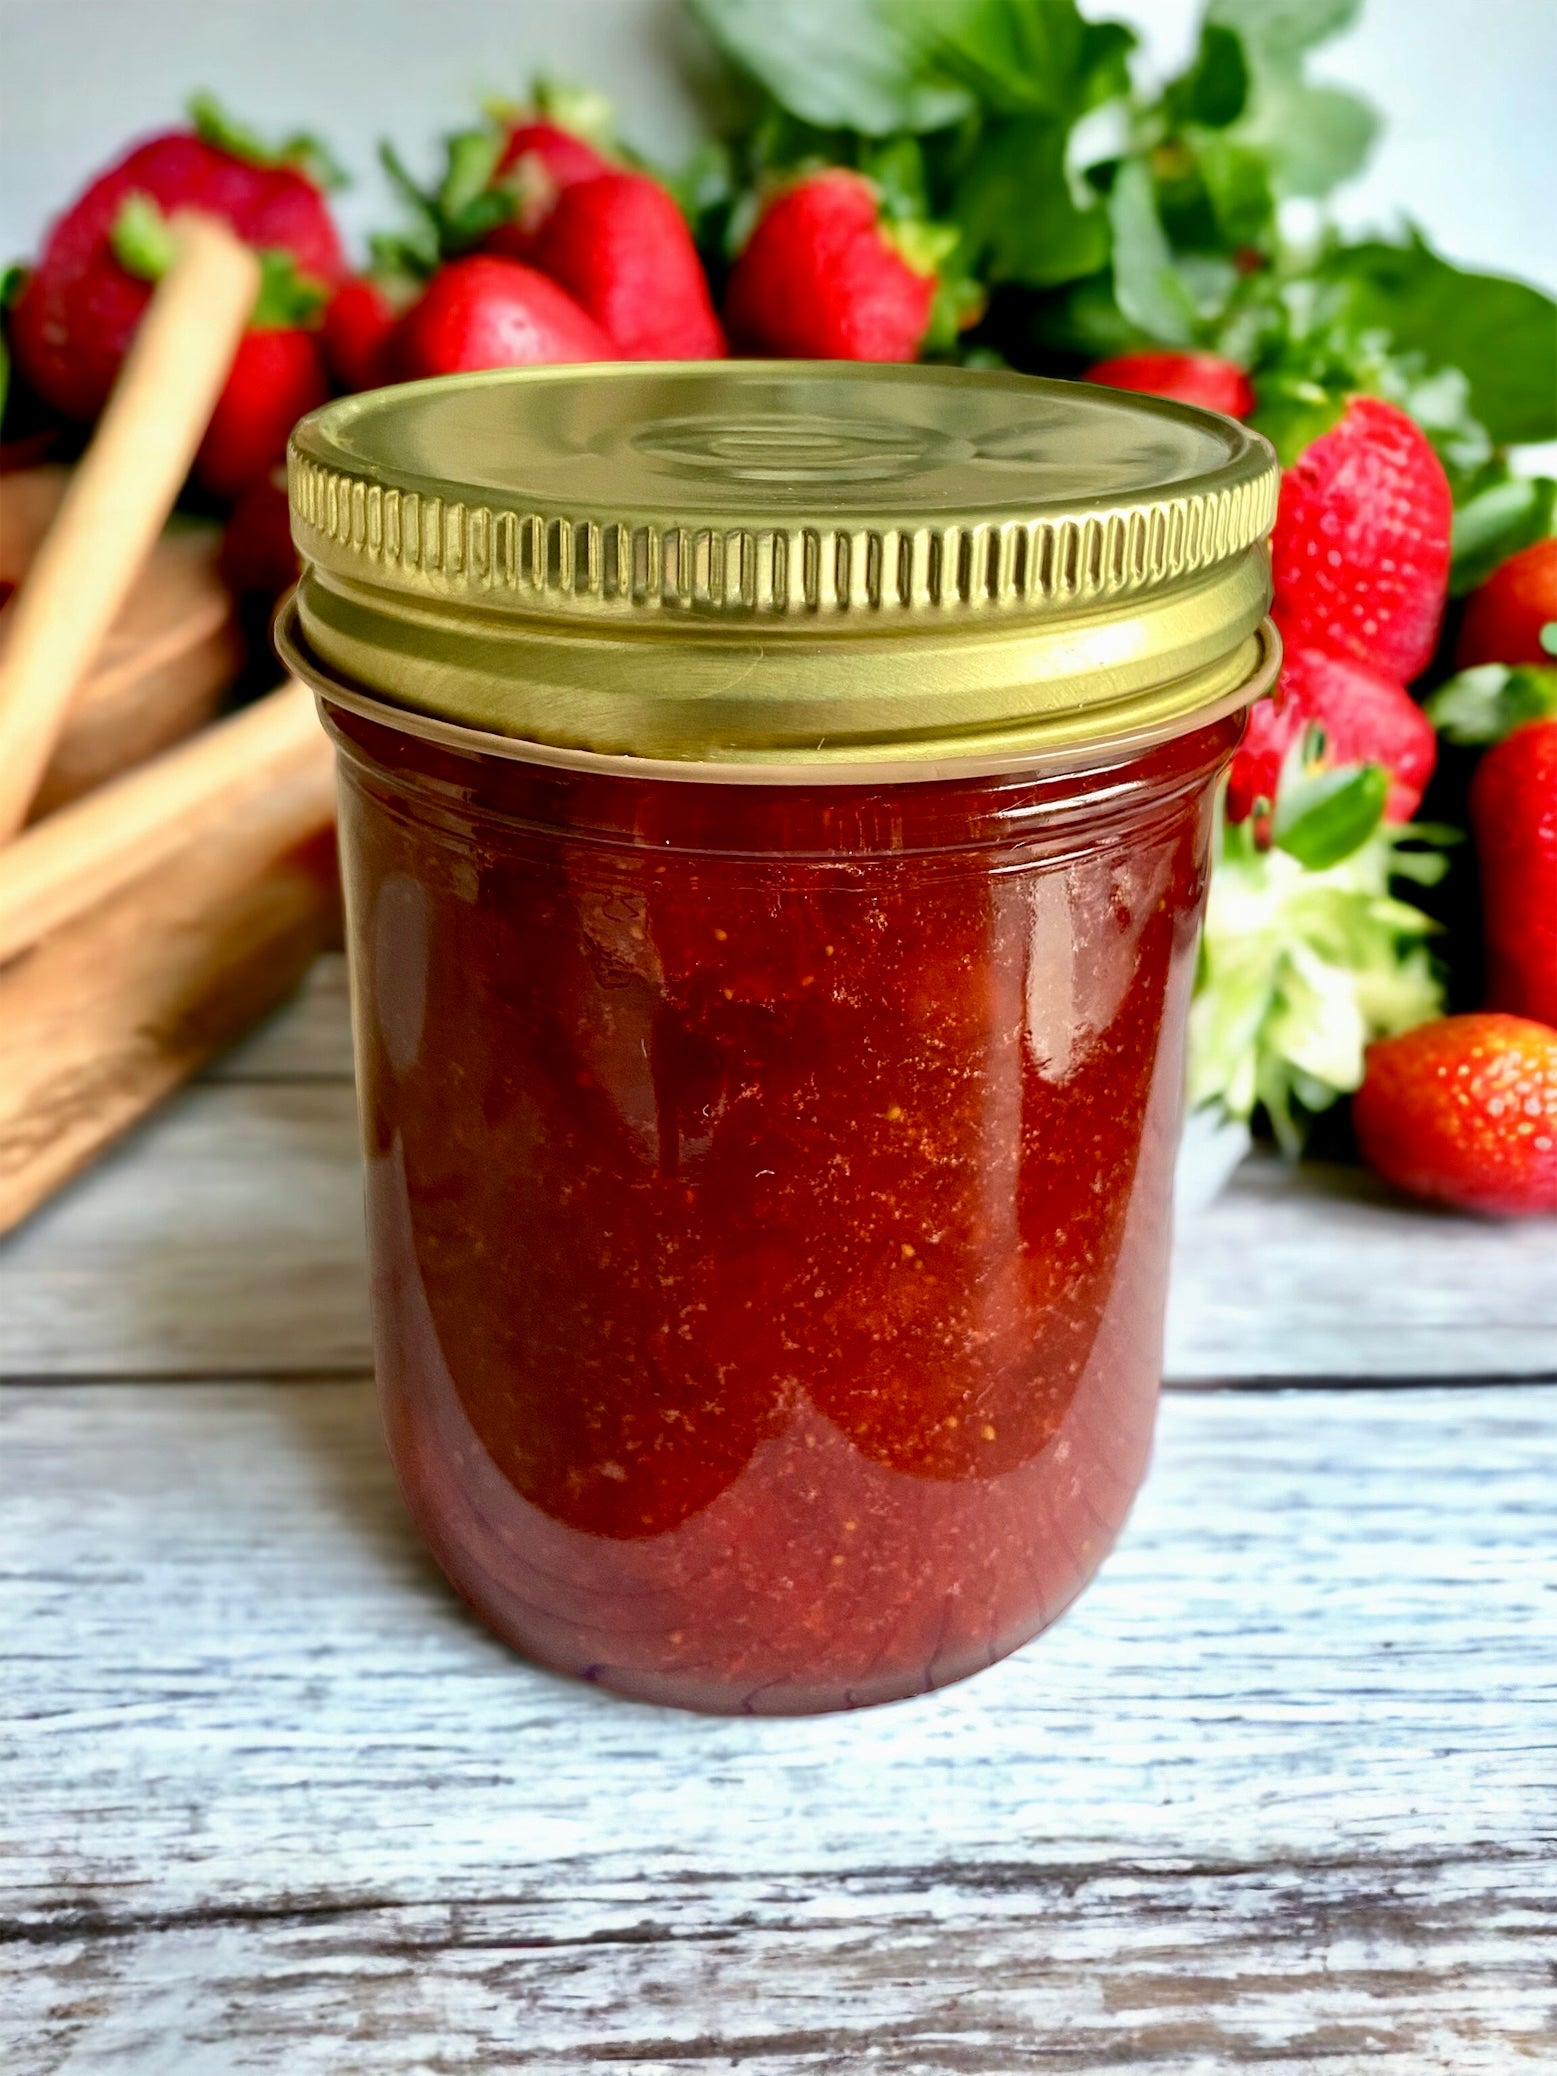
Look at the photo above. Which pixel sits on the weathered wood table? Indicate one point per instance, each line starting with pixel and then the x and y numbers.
pixel 1279 1791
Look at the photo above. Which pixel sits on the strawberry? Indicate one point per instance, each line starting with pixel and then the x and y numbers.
pixel 1360 551
pixel 1367 718
pixel 820 279
pixel 487 312
pixel 358 321
pixel 78 311
pixel 621 248
pixel 539 159
pixel 258 558
pixel 1184 378
pixel 276 376
pixel 1513 807
pixel 1505 615
pixel 1463 1111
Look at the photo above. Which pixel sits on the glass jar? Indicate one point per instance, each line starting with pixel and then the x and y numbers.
pixel 770 1123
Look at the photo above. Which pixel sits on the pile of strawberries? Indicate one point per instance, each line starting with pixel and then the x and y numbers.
pixel 583 259
pixel 576 257
pixel 1464 1110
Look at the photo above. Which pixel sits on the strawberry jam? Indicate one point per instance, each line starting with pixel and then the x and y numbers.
pixel 768 1196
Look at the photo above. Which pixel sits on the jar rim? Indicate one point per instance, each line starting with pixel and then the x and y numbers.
pixel 990 760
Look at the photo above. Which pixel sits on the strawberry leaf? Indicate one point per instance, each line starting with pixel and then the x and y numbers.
pixel 1324 816
pixel 584 111
pixel 1506 513
pixel 287 296
pixel 1311 137
pixel 142 238
pixel 1007 238
pixel 10 288
pixel 1299 970
pixel 1484 704
pixel 1215 90
pixel 302 151
pixel 842 64
pixel 144 243
pixel 1148 287
pixel 1293 414
pixel 457 215
pixel 1501 333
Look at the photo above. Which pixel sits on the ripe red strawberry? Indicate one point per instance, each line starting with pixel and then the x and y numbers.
pixel 1367 718
pixel 276 375
pixel 1505 615
pixel 358 321
pixel 486 312
pixel 258 558
pixel 820 279
pixel 621 248
pixel 1513 806
pixel 75 317
pixel 1360 552
pixel 539 160
pixel 1463 1111
pixel 1185 378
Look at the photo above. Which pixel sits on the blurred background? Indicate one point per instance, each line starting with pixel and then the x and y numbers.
pixel 1469 150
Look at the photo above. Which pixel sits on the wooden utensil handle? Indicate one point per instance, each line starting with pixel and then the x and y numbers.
pixel 83 854
pixel 120 495
pixel 163 665
pixel 101 1018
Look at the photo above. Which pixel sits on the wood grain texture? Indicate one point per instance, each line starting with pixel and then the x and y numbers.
pixel 165 662
pixel 226 1239
pixel 110 1011
pixel 1278 1792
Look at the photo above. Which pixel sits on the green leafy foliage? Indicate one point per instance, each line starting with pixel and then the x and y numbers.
pixel 1004 237
pixel 1501 334
pixel 864 65
pixel 1501 515
pixel 1311 137
pixel 1149 289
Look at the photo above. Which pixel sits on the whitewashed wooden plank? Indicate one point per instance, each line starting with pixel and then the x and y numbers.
pixel 225 1238
pixel 1394 1968
pixel 1322 1272
pixel 1280 1788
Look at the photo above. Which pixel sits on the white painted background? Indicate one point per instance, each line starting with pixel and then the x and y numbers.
pixel 1471 148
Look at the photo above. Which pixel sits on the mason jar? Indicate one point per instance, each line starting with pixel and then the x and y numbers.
pixel 774 807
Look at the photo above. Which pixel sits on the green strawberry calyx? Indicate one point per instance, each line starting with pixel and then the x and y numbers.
pixel 1308 954
pixel 1489 701
pixel 301 152
pixel 464 208
pixel 146 245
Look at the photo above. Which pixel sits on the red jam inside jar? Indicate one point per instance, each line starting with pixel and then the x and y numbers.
pixel 769 1199
pixel 775 803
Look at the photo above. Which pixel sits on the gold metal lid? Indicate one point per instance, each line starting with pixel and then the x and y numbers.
pixel 782 562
